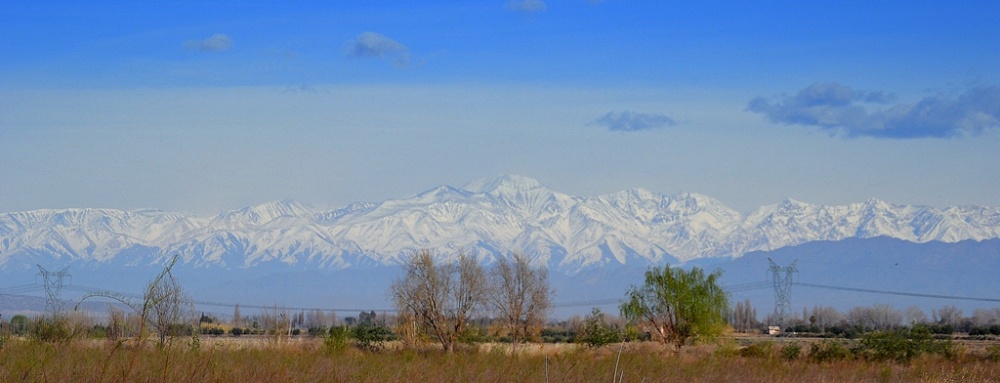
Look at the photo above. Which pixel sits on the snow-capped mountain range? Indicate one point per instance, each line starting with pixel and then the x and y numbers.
pixel 485 218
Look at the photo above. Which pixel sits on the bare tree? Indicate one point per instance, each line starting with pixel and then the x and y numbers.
pixel 825 316
pixel 277 323
pixel 520 296
pixel 878 317
pixel 237 318
pixel 163 307
pixel 948 316
pixel 914 315
pixel 984 317
pixel 440 298
pixel 743 317
pixel 116 324
pixel 169 306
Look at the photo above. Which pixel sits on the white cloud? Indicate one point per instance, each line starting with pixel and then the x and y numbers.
pixel 841 110
pixel 628 121
pixel 215 43
pixel 374 45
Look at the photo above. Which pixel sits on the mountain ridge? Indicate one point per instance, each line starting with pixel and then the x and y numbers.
pixel 485 218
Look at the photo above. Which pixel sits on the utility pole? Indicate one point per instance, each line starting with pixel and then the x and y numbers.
pixel 782 278
pixel 53 282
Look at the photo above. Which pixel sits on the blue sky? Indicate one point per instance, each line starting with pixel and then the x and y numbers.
pixel 209 106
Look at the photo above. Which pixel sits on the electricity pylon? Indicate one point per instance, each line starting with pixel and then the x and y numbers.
pixel 53 281
pixel 782 278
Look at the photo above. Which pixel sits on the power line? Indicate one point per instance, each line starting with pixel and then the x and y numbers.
pixel 748 286
pixel 592 302
pixel 263 307
pixel 567 304
pixel 20 289
pixel 900 293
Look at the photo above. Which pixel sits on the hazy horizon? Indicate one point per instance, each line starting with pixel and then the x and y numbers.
pixel 205 108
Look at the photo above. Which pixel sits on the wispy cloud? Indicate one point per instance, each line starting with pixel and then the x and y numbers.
pixel 215 43
pixel 527 6
pixel 838 109
pixel 374 45
pixel 628 121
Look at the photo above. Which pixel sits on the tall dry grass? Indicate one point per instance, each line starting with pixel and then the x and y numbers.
pixel 217 360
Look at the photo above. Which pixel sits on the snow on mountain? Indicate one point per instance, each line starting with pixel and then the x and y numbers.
pixel 485 218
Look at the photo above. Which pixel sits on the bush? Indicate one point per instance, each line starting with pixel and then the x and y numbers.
pixel 53 329
pixel 902 345
pixel 213 331
pixel 551 335
pixel 828 351
pixel 372 337
pixel 19 324
pixel 758 350
pixel 337 339
pixel 791 351
pixel 727 349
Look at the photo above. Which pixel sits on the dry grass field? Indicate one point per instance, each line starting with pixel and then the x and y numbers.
pixel 226 359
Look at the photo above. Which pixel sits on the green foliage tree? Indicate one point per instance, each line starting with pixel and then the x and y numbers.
pixel 674 305
pixel 597 332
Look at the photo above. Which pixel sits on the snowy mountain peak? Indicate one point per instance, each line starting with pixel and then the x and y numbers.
pixel 791 203
pixel 641 194
pixel 873 203
pixel 267 212
pixel 504 183
pixel 442 193
pixel 695 200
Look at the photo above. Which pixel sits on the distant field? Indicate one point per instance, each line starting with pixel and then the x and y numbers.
pixel 245 359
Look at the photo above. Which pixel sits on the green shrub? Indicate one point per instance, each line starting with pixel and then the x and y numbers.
pixel 372 337
pixel 727 349
pixel 758 350
pixel 791 351
pixel 53 330
pixel 337 339
pixel 20 324
pixel 902 345
pixel 828 351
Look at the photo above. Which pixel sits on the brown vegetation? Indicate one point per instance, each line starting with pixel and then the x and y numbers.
pixel 306 360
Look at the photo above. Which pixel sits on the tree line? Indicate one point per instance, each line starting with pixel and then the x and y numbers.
pixel 454 299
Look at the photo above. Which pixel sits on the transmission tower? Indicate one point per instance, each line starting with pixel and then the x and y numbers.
pixel 782 278
pixel 53 282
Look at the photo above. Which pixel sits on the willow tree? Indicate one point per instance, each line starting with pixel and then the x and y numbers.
pixel 674 305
